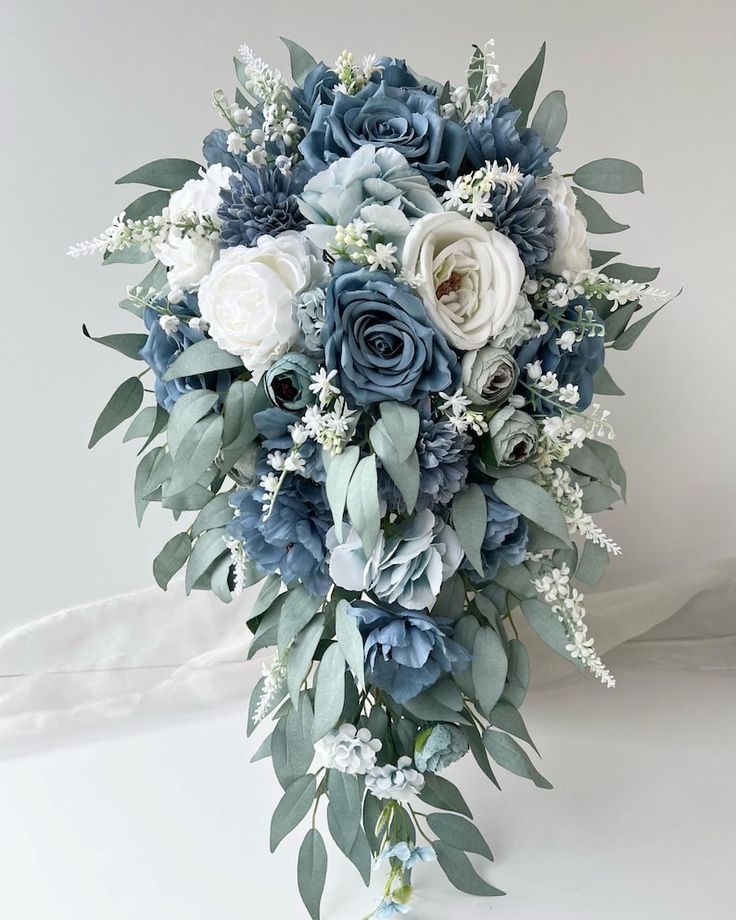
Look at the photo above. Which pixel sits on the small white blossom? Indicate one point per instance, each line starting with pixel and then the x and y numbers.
pixel 196 322
pixel 170 324
pixel 322 387
pixel 276 460
pixel 294 463
pixel 242 117
pixel 348 750
pixel 299 434
pixel 400 782
pixel 569 394
pixel 236 143
pixel 283 163
pixel 567 340
pixel 382 256
pixel 257 156
pixel 548 382
pixel 534 370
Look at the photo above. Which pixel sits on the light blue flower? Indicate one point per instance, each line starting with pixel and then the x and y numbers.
pixel 505 538
pixel 409 855
pixel 389 908
pixel 437 747
pixel 288 379
pixel 310 316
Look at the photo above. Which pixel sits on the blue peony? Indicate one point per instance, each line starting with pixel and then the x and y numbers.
pixel 163 348
pixel 406 651
pixel 505 538
pixel 378 337
pixel 260 200
pixel 526 217
pixel 292 539
pixel 273 425
pixel 405 119
pixel 577 366
pixel 496 137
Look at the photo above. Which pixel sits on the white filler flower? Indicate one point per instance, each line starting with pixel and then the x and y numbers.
pixel 571 229
pixel 348 749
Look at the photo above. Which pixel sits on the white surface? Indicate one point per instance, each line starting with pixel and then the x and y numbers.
pixel 173 822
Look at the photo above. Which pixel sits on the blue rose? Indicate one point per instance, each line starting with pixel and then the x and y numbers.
pixel 406 119
pixel 378 337
pixel 406 651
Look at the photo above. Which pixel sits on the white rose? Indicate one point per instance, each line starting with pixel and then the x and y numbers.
pixel 571 241
pixel 248 297
pixel 188 258
pixel 201 196
pixel 468 276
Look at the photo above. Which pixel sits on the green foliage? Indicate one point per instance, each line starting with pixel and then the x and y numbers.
pixel 362 503
pixel 241 403
pixel 208 548
pixel 302 652
pixel 511 756
pixel 298 609
pixel 293 807
pixel 196 453
pixel 550 118
pixel 441 793
pixel 329 695
pixel 637 273
pixel 216 513
pixel 535 503
pixel 168 174
pixel 610 175
pixel 393 438
pixel 592 565
pixel 598 219
pixel 127 343
pixel 171 558
pixel 340 469
pixel 350 642
pixel 476 74
pixel 489 668
pixel 522 96
pixel 343 819
pixel 201 358
pixel 123 403
pixel 301 61
pixel 312 871
pixel 547 626
pixel 459 833
pixel 148 205
pixel 460 872
pixel 508 718
pixel 469 516
pixel 605 385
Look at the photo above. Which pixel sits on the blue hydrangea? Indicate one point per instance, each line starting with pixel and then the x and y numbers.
pixel 261 200
pixel 163 348
pixel 505 538
pixel 496 137
pixel 526 217
pixel 273 426
pixel 292 539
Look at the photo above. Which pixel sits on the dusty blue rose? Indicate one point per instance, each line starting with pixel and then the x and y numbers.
pixel 287 381
pixel 437 747
pixel 378 337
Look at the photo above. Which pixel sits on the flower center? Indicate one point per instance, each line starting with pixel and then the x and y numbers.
pixel 450 285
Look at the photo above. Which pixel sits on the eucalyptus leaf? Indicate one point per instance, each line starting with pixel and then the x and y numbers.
pixel 607 456
pixel 616 321
pixel 362 503
pixel 196 453
pixel 193 498
pixel 339 469
pixel 637 273
pixel 143 424
pixel 201 358
pixel 476 74
pixel 511 756
pixel 171 558
pixel 458 832
pixel 126 343
pixel 469 518
pixel 535 503
pixel 508 718
pixel 292 750
pixel 630 335
pixel 344 808
pixel 610 175
pixel 217 513
pixel 479 752
pixel 266 596
pixel 301 655
pixel 426 708
pixel 299 608
pixel 311 871
pixel 598 219
pixel 350 641
pixel 264 749
pixel 605 385
pixel 123 403
pixel 546 625
pixel 518 674
pixel 489 668
pixel 404 472
pixel 239 428
pixel 598 497
pixel 441 793
pixel 551 118
pixel 220 580
pixel 293 807
pixel 131 255
pixel 301 61
pixel 460 872
pixel 209 547
pixel 329 695
pixel 402 426
pixel 522 96
pixel 186 411
pixel 143 475
pixel 148 205
pixel 168 174
pixel 599 257
pixel 592 564
pixel 585 460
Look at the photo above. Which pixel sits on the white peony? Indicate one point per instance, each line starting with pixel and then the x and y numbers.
pixel 248 297
pixel 468 276
pixel 201 196
pixel 571 229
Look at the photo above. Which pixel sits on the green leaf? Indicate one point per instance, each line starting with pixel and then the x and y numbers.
pixel 266 596
pixel 350 641
pixel 585 460
pixel 508 718
pixel 489 668
pixel 127 343
pixel 598 497
pixel 476 74
pixel 630 335
pixel 201 358
pixel 292 750
pixel 543 620
pixel 610 175
pixel 311 871
pixel 609 462
pixel 551 118
pixel 428 708
pixel 638 273
pixel 518 676
pixel 169 174
pixel 196 453
pixel 511 756
pixel 293 807
pixel 479 752
pixel 402 426
pixel 209 547
pixel 441 793
pixel 616 322
pixel 186 412
pixel 458 832
pixel 299 608
pixel 469 518
pixel 301 655
pixel 220 580
pixel 339 469
pixel 343 810
pixel 535 503
pixel 523 94
pixel 592 564
pixel 239 428
pixel 605 385
pixel 143 424
pixel 264 749
pixel 596 216
pixel 131 255
pixel 147 480
pixel 329 695
pixel 171 558
pixel 362 503
pixel 460 872
pixel 217 513
pixel 301 61
pixel 147 205
pixel 123 403
pixel 193 498
pixel 600 257
pixel 404 473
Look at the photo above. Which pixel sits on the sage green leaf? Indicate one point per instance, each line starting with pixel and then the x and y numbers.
pixel 479 752
pixel 516 579
pixel 426 708
pixel 508 718
pixel 610 463
pixel 148 205
pixel 372 816
pixel 132 255
pixel 360 855
pixel 329 695
pixel 547 626
pixel 522 96
pixel 404 473
pixel 469 518
pixel 123 403
pixel 350 641
pixel 201 358
pixel 511 756
pixel 301 655
pixel 460 872
pixel 599 257
pixel 239 428
pixel 339 469
pixel 610 175
pixel 196 453
pixel 344 808
pixel 539 539
pixel 489 668
pixel 585 460
pixel 292 750
pixel 311 871
pixel 220 580
pixel 458 832
pixel 402 426
pixel 476 74
pixel 160 423
pixel 518 676
pixel 535 503
pixel 171 558
pixel 217 513
pixel 592 564
pixel 441 793
pixel 301 61
pixel 255 698
pixel 551 118
pixel 630 335
pixel 299 608
pixel 126 343
pixel 168 174
pixel 605 385
pixel 143 477
pixel 598 220
pixel 451 599
pixel 616 322
pixel 637 273
pixel 446 692
pixel 266 597
pixel 209 546
pixel 193 498
pixel 142 424
pixel 264 749
pixel 187 410
pixel 293 807
pixel 362 503
pixel 465 632
pixel 598 497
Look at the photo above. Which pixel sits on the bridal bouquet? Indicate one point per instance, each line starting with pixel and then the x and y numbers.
pixel 372 334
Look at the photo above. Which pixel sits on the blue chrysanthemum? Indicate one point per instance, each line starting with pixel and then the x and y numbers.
pixel 260 200
pixel 496 137
pixel 505 538
pixel 525 216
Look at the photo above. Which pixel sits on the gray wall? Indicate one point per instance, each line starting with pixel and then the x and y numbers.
pixel 93 89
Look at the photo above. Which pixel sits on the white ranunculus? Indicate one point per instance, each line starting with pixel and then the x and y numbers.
pixel 188 258
pixel 248 297
pixel 571 240
pixel 468 276
pixel 201 196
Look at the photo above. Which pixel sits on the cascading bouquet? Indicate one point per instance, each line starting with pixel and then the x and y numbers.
pixel 374 331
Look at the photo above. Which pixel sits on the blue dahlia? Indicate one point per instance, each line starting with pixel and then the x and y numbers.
pixel 505 538
pixel 526 217
pixel 496 137
pixel 261 200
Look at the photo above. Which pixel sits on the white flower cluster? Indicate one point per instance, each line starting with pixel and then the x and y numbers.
pixel 274 676
pixel 262 81
pixel 559 435
pixel 398 782
pixel 349 750
pixel 569 496
pixel 470 194
pixel 462 105
pixel 330 422
pixel 359 242
pixel 238 561
pixel 567 602
pixel 591 284
pixel 547 383
pixel 595 420
pixel 353 77
pixel 522 325
pixel 456 410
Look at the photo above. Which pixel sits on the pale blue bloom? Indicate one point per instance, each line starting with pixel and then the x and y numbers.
pixel 408 855
pixel 389 908
pixel 438 747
